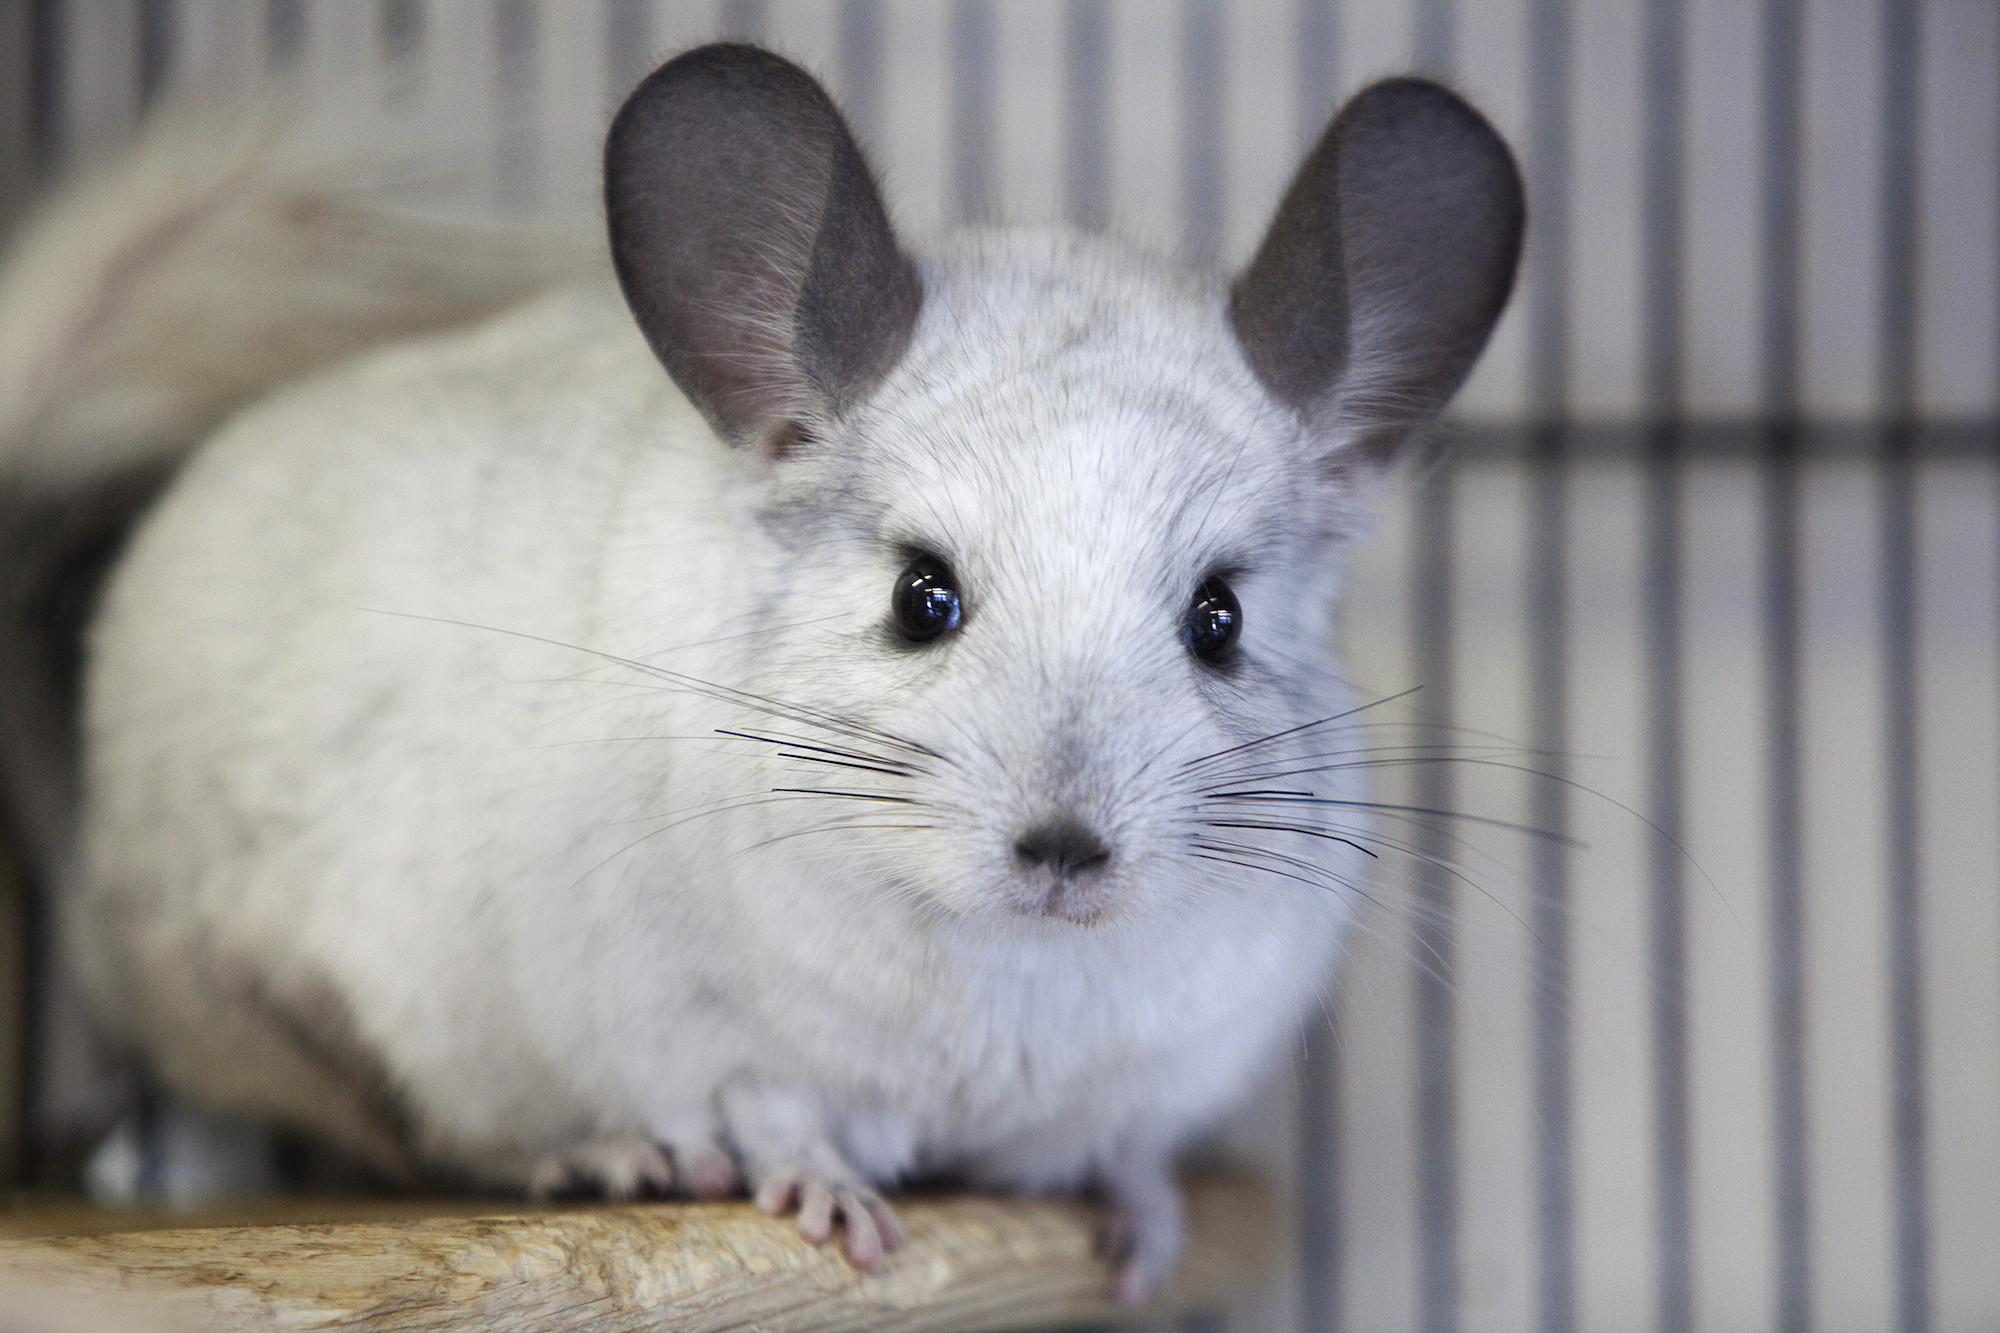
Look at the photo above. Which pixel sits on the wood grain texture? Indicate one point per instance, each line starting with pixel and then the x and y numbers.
pixel 971 1262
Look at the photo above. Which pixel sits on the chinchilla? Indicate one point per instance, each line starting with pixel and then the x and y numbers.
pixel 810 715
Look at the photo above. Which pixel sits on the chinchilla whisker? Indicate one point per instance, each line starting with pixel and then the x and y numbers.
pixel 1407 761
pixel 1353 837
pixel 1206 854
pixel 745 801
pixel 846 763
pixel 849 795
pixel 1525 770
pixel 1272 768
pixel 1154 757
pixel 1232 853
pixel 1391 807
pixel 1202 760
pixel 839 826
pixel 1220 853
pixel 724 806
pixel 1443 865
pixel 1270 826
pixel 1319 874
pixel 695 685
pixel 800 743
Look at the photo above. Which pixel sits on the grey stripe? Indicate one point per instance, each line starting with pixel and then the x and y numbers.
pixel 628 47
pixel 1899 200
pixel 284 31
pixel 1323 1286
pixel 517 42
pixel 1320 1170
pixel 399 30
pixel 1780 240
pixel 1318 67
pixel 1435 30
pixel 1666 882
pixel 861 69
pixel 744 21
pixel 1663 653
pixel 1905 943
pixel 1791 1178
pixel 972 112
pixel 1435 901
pixel 1203 35
pixel 1433 906
pixel 1321 1241
pixel 1745 439
pixel 50 66
pixel 1548 605
pixel 157 20
pixel 1548 594
pixel 1086 96
pixel 17 109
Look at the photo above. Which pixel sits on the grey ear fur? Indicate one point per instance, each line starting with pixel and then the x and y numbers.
pixel 751 243
pixel 1386 266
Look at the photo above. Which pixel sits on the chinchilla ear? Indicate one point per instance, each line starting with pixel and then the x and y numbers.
pixel 1385 268
pixel 752 244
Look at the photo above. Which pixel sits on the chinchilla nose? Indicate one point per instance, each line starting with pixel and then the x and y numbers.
pixel 1064 846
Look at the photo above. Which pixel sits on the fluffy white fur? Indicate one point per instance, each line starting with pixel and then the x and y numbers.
pixel 410 693
pixel 489 768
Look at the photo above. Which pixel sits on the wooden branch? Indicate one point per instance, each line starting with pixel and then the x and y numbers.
pixel 971 1262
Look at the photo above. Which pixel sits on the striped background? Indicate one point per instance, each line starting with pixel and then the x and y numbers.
pixel 1718 542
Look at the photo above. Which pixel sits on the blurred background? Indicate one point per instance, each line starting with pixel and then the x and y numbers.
pixel 1704 569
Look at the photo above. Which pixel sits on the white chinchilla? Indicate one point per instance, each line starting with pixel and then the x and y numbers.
pixel 897 738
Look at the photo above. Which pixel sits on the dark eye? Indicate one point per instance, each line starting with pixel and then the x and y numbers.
pixel 1213 621
pixel 925 600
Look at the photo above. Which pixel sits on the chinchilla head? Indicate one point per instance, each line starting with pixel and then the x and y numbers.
pixel 1059 525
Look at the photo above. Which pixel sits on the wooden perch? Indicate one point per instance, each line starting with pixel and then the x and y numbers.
pixel 971 1262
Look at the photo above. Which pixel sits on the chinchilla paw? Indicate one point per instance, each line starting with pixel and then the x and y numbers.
pixel 633 1166
pixel 823 1199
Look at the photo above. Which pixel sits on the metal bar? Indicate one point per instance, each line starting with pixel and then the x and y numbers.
pixel 1435 30
pixel 861 46
pixel 1434 949
pixel 744 21
pixel 1321 1242
pixel 628 47
pixel 1320 1176
pixel 516 68
pixel 156 47
pixel 1902 775
pixel 1548 603
pixel 1779 482
pixel 1318 67
pixel 1203 173
pixel 1436 946
pixel 1667 891
pixel 17 110
pixel 972 112
pixel 399 41
pixel 1086 89
pixel 284 31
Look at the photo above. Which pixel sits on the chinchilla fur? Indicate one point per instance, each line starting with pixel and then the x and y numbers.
pixel 521 755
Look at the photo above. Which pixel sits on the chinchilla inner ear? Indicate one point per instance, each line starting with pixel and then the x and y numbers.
pixel 1386 266
pixel 752 244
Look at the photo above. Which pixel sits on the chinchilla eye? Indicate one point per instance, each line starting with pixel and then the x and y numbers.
pixel 1213 621
pixel 925 600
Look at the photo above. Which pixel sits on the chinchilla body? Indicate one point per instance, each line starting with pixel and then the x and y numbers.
pixel 829 717
pixel 428 646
